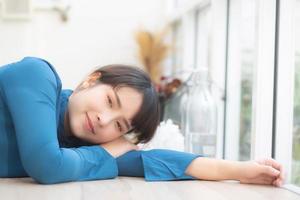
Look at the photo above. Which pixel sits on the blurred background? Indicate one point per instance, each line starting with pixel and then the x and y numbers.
pixel 233 64
pixel 75 36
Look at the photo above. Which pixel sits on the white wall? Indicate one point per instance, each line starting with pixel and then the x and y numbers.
pixel 98 32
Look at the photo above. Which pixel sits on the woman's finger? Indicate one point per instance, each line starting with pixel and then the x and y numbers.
pixel 280 180
pixel 277 166
pixel 274 164
pixel 277 182
pixel 271 162
pixel 270 171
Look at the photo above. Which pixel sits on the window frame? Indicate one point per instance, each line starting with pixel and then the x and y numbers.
pixel 263 83
pixel 262 126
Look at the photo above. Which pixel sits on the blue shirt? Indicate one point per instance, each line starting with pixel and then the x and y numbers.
pixel 32 140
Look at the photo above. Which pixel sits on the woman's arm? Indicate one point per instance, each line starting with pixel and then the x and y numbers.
pixel 264 171
pixel 163 164
pixel 156 164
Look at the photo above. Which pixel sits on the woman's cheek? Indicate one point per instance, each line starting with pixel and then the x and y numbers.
pixel 75 126
pixel 112 136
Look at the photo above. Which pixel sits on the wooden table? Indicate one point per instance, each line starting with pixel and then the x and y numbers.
pixel 125 188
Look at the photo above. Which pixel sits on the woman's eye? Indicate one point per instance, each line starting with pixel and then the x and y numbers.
pixel 109 101
pixel 119 126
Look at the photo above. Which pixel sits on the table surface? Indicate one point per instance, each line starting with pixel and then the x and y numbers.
pixel 125 188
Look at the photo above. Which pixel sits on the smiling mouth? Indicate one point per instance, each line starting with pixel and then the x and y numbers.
pixel 90 124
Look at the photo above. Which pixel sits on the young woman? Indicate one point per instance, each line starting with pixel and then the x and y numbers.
pixel 55 135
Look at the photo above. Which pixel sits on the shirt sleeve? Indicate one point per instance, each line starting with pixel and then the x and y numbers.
pixel 156 164
pixel 30 88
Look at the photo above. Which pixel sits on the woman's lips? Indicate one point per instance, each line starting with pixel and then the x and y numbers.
pixel 90 124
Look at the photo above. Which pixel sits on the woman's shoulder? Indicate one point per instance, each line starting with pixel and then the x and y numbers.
pixel 39 65
pixel 33 69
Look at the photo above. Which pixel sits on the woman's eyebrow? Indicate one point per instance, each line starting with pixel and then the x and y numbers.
pixel 120 106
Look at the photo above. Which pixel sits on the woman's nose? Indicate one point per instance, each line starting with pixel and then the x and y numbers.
pixel 103 120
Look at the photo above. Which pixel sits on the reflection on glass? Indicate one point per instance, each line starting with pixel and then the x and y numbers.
pixel 246 40
pixel 296 131
pixel 203 43
pixel 178 46
pixel 172 104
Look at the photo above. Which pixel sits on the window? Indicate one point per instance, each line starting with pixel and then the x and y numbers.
pixel 296 122
pixel 262 113
pixel 287 106
pixel 241 61
pixel 203 37
pixel 178 46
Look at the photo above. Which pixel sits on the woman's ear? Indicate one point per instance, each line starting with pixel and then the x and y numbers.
pixel 90 80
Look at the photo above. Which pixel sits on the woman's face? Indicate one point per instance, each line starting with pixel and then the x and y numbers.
pixel 109 110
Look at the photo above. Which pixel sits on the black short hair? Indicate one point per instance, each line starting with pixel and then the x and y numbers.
pixel 148 117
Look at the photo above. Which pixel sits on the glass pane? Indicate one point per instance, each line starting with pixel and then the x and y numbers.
pixel 178 47
pixel 203 37
pixel 243 24
pixel 296 134
pixel 247 39
pixel 172 103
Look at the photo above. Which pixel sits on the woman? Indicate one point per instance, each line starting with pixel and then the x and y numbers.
pixel 55 135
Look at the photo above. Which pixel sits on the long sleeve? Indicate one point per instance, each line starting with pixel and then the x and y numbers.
pixel 156 164
pixel 30 88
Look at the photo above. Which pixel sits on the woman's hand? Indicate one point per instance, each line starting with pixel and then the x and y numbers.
pixel 263 171
pixel 119 146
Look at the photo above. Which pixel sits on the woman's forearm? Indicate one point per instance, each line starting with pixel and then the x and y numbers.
pixel 214 169
pixel 261 171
